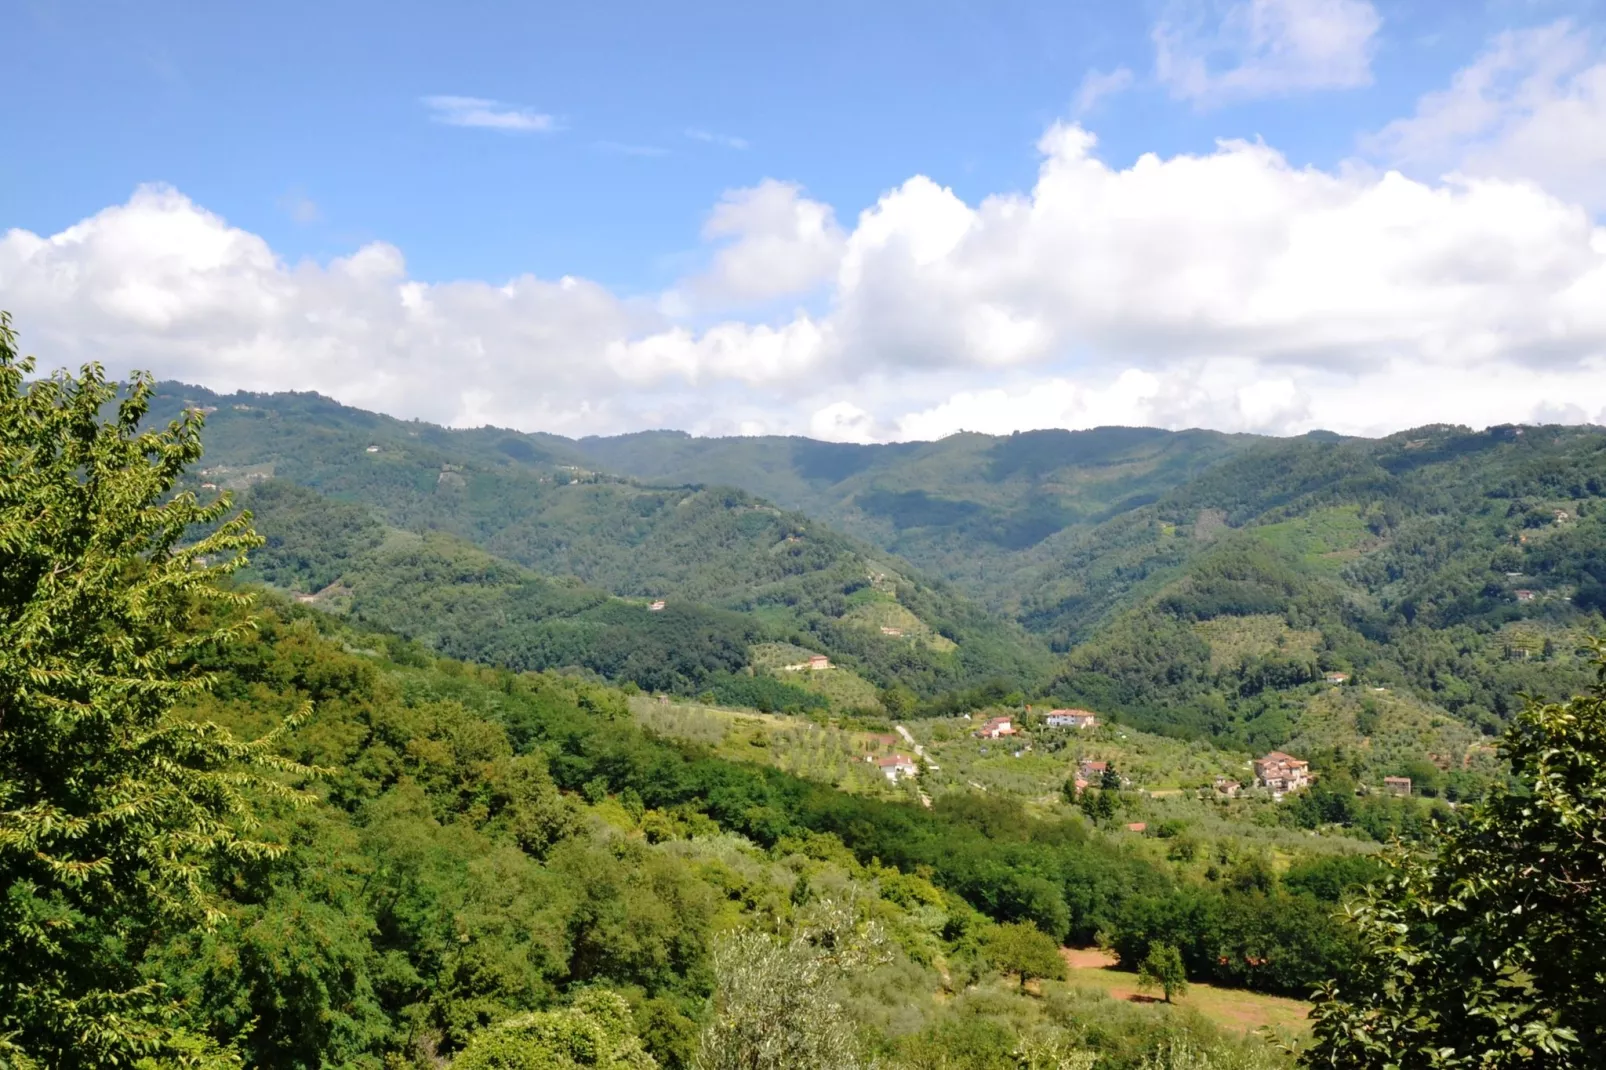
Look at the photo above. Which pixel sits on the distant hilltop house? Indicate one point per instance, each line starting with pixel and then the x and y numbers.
pixel 1524 595
pixel 373 449
pixel 1228 787
pixel 995 728
pixel 896 766
pixel 656 607
pixel 887 630
pixel 1337 677
pixel 1081 785
pixel 1071 719
pixel 1138 826
pixel 1090 769
pixel 1397 785
pixel 815 662
pixel 1562 516
pixel 1282 773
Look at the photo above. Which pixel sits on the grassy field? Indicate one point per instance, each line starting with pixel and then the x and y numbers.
pixel 1230 1008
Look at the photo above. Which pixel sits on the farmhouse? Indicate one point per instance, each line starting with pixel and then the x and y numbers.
pixel 887 630
pixel 1091 769
pixel 656 607
pixel 1337 677
pixel 1071 719
pixel 898 765
pixel 1397 785
pixel 1228 787
pixel 819 661
pixel 1282 773
pixel 1524 595
pixel 996 727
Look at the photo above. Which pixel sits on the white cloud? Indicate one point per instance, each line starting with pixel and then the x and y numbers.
pixel 1259 48
pixel 1096 85
pixel 1227 289
pixel 488 115
pixel 1532 105
pixel 843 421
pixel 777 243
pixel 709 137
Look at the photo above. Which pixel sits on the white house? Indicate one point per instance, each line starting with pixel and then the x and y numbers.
pixel 897 765
pixel 1071 719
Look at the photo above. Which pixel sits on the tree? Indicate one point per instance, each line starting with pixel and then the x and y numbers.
pixel 1162 969
pixel 776 1004
pixel 1489 953
pixel 112 807
pixel 597 1031
pixel 1022 948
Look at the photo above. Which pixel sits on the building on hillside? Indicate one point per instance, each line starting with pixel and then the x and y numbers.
pixel 1092 770
pixel 656 607
pixel 1228 787
pixel 996 728
pixel 896 766
pixel 1524 595
pixel 1561 516
pixel 1138 826
pixel 373 449
pixel 1337 677
pixel 1071 719
pixel 889 630
pixel 1397 785
pixel 1282 773
pixel 1081 786
pixel 819 661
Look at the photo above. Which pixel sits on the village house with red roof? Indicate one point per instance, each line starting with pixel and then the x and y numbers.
pixel 1282 773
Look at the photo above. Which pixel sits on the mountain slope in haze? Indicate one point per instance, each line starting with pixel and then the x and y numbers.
pixel 964 508
pixel 794 580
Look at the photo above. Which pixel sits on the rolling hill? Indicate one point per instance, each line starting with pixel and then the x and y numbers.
pixel 484 548
pixel 1192 583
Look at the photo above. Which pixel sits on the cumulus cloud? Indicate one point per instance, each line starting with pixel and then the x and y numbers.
pixel 1258 48
pixel 1532 105
pixel 488 114
pixel 1227 289
pixel 775 242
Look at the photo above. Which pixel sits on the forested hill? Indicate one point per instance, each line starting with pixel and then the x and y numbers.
pixel 965 508
pixel 509 516
pixel 1458 568
pixel 1192 582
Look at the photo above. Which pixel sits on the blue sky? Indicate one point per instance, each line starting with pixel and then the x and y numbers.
pixel 601 137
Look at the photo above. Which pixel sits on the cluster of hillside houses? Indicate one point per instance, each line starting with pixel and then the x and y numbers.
pixel 999 727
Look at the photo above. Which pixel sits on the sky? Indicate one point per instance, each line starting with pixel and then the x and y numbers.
pixel 868 221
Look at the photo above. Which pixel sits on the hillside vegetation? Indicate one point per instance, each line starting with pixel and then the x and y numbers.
pixel 1192 583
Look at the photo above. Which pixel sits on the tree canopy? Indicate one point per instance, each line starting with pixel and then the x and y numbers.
pixel 112 810
pixel 1492 952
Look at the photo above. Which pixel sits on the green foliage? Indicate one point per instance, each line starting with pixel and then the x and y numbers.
pixel 1026 951
pixel 1489 953
pixel 1162 969
pixel 596 1031
pixel 113 811
pixel 777 1000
